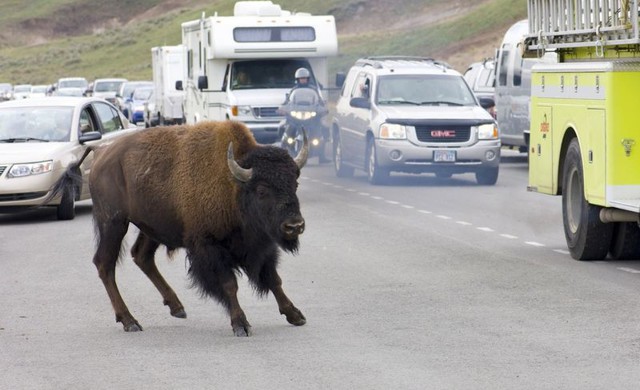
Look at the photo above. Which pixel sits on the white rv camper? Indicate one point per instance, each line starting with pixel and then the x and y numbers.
pixel 241 67
pixel 513 86
pixel 167 65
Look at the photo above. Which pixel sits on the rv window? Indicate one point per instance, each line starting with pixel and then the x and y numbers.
pixel 274 34
pixel 267 73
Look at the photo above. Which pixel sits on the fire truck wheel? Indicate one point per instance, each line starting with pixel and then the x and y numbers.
pixel 588 238
pixel 626 241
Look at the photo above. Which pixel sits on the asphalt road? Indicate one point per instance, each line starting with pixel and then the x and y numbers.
pixel 421 284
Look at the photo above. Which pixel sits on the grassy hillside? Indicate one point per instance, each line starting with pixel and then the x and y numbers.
pixel 49 39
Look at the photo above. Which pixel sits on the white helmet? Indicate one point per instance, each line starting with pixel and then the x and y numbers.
pixel 302 73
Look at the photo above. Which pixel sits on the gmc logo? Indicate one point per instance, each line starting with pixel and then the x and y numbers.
pixel 443 133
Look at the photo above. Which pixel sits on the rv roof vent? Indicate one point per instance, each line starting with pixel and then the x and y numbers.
pixel 256 8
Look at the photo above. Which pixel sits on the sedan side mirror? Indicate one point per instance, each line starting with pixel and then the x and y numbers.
pixel 89 136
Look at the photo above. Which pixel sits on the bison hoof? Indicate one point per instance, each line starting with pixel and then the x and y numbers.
pixel 134 327
pixel 179 313
pixel 295 317
pixel 242 331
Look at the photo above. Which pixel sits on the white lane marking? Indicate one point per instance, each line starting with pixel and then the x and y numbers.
pixel 443 217
pixel 392 202
pixel 627 269
pixel 424 211
pixel 533 243
pixel 485 229
pixel 364 193
pixel 464 223
pixel 377 197
pixel 509 236
pixel 564 252
pixel 406 206
pixel 350 189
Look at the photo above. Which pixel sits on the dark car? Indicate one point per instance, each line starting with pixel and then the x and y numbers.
pixel 139 99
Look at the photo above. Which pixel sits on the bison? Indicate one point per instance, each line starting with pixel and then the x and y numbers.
pixel 183 188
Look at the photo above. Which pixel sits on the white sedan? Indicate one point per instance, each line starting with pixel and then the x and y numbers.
pixel 41 137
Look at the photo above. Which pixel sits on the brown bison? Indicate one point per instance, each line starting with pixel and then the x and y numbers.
pixel 183 188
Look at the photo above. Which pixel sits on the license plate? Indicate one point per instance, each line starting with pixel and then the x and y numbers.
pixel 444 156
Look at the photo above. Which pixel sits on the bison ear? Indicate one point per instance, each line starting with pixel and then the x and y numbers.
pixel 242 174
pixel 301 158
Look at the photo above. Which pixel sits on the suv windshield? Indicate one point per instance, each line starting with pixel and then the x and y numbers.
pixel 424 90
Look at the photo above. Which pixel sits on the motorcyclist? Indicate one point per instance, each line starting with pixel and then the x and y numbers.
pixel 302 77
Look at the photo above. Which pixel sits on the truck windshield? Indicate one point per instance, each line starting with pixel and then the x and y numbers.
pixel 424 90
pixel 259 74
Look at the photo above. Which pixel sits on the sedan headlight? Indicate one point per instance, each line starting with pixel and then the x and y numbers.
pixel 303 115
pixel 488 131
pixel 393 131
pixel 37 168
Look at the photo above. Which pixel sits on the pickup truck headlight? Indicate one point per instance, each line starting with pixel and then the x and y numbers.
pixel 22 170
pixel 393 131
pixel 488 131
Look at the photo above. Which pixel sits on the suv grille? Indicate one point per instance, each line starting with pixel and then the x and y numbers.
pixel 266 112
pixel 443 133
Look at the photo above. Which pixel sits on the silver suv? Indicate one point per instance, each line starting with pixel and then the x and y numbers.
pixel 412 114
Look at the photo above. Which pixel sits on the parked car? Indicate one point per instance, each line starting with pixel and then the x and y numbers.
pixel 139 98
pixel 106 88
pixel 415 115
pixel 70 86
pixel 21 91
pixel 151 116
pixel 6 91
pixel 123 97
pixel 41 137
pixel 481 77
pixel 39 91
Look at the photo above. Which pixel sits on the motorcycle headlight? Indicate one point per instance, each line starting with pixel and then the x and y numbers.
pixel 37 168
pixel 303 115
pixel 393 131
pixel 488 131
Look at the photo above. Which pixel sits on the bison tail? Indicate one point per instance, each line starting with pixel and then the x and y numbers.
pixel 71 176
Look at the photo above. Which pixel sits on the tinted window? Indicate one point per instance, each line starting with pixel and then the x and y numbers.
pixel 267 73
pixel 108 117
pixel 504 64
pixel 274 34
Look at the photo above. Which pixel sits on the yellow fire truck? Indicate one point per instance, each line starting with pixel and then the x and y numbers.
pixel 585 121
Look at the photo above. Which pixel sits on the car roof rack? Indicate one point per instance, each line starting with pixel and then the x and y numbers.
pixel 380 62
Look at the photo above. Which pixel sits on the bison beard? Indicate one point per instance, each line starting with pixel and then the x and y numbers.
pixel 183 187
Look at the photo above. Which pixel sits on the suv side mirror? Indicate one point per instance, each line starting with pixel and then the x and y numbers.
pixel 203 82
pixel 486 102
pixel 360 102
pixel 179 85
pixel 340 77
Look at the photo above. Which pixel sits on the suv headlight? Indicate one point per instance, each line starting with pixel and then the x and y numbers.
pixel 488 131
pixel 240 110
pixel 393 131
pixel 22 170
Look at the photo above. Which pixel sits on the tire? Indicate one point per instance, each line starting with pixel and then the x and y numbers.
pixel 625 244
pixel 588 238
pixel 66 210
pixel 340 168
pixel 375 174
pixel 487 176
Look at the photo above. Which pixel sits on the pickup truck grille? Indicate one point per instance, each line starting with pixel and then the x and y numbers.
pixel 266 112
pixel 443 133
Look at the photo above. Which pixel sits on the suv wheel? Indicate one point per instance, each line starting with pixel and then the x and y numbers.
pixel 375 174
pixel 487 176
pixel 340 168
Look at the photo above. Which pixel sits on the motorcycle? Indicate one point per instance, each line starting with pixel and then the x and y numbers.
pixel 304 111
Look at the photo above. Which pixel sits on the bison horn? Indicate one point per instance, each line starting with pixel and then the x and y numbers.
pixel 301 158
pixel 242 174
